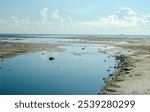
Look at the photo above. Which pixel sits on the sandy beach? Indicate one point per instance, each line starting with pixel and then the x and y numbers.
pixel 132 74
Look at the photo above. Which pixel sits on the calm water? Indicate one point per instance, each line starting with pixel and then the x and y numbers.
pixel 73 72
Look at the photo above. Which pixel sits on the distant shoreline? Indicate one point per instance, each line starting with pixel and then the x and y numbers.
pixel 74 36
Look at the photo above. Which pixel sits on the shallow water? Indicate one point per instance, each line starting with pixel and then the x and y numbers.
pixel 36 40
pixel 75 71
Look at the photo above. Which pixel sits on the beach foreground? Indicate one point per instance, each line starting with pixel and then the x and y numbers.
pixel 132 74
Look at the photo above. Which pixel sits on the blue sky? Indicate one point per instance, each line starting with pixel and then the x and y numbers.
pixel 75 16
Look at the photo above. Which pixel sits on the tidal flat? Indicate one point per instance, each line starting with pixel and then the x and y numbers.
pixel 126 72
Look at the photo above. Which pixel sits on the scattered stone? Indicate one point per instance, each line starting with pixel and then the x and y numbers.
pixel 104 60
pixel 98 93
pixel 126 73
pixel 51 58
pixel 110 90
pixel 119 80
pixel 127 69
pixel 137 75
pixel 133 92
pixel 110 74
pixel 83 48
pixel 116 86
pixel 42 53
pixel 108 70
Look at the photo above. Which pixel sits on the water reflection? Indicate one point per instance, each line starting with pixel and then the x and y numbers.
pixel 74 71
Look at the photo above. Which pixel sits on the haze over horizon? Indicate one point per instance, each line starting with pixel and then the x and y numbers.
pixel 75 17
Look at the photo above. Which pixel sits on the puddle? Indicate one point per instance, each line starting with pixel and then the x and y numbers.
pixel 75 71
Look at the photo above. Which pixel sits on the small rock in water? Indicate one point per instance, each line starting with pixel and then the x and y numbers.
pixel 9 70
pixel 104 60
pixel 83 48
pixel 51 58
pixel 110 74
pixel 104 78
pixel 108 70
pixel 42 53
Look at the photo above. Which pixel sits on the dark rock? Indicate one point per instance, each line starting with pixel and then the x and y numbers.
pixel 137 75
pixel 127 69
pixel 51 58
pixel 98 93
pixel 104 60
pixel 108 70
pixel 110 90
pixel 110 74
pixel 126 72
pixel 83 48
pixel 104 78
pixel 42 53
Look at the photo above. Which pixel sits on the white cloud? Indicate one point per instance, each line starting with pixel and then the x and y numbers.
pixel 125 20
pixel 125 11
pixel 56 16
pixel 44 13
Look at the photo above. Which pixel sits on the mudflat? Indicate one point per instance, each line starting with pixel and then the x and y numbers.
pixel 10 49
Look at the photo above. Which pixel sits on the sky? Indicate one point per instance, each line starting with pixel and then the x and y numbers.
pixel 75 16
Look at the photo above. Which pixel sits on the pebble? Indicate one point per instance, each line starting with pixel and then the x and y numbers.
pixel 51 58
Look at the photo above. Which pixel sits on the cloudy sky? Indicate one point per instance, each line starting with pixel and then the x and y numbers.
pixel 75 16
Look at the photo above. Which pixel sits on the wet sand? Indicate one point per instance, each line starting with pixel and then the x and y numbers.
pixel 133 72
pixel 10 49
